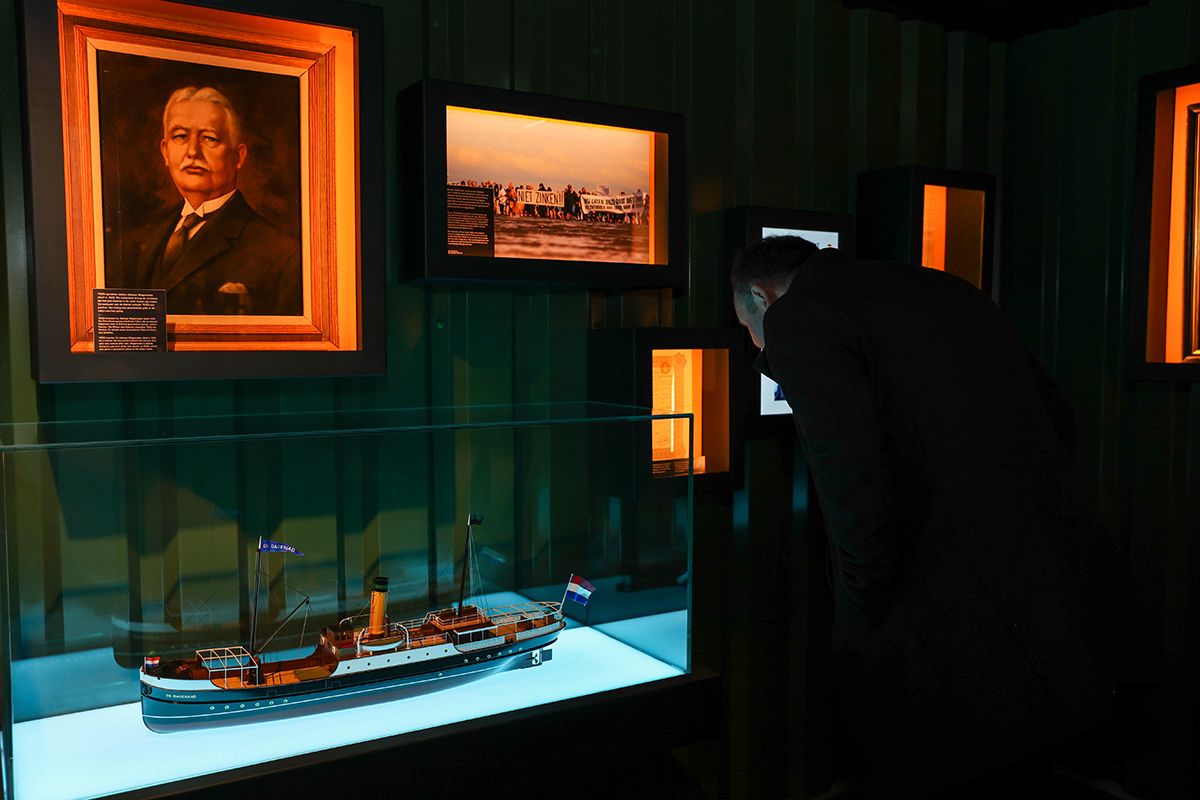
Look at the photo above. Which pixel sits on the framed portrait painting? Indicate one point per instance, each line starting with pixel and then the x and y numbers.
pixel 214 169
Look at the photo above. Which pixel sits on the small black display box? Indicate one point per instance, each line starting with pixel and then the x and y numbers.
pixel 767 413
pixel 939 218
pixel 696 371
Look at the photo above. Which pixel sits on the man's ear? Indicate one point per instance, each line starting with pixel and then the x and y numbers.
pixel 241 155
pixel 761 295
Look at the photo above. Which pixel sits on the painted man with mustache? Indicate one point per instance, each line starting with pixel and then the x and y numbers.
pixel 214 254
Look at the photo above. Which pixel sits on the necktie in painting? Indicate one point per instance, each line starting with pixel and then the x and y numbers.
pixel 178 239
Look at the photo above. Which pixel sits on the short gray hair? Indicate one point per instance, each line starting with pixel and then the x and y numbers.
pixel 210 95
pixel 774 259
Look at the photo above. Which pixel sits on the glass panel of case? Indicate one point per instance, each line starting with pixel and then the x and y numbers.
pixel 194 596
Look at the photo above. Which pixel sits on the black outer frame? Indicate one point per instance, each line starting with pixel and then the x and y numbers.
pixel 1137 276
pixel 46 215
pixel 421 108
pixel 889 213
pixel 619 372
pixel 743 226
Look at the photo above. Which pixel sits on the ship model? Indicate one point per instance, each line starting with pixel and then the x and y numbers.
pixel 353 665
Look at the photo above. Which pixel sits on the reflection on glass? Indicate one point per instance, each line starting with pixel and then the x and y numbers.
pixel 118 553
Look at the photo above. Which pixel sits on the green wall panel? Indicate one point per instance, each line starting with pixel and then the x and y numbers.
pixel 1066 210
pixel 785 103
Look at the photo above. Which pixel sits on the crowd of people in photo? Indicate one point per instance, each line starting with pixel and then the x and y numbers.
pixel 516 201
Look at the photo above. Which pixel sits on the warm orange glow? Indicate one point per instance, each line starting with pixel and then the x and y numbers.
pixel 1172 313
pixel 952 231
pixel 933 228
pixel 1160 227
pixel 692 381
pixel 677 378
pixel 487 145
pixel 323 59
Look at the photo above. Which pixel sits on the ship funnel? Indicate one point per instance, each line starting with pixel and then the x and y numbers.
pixel 379 593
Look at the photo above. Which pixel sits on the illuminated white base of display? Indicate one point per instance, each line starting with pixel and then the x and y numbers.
pixel 108 750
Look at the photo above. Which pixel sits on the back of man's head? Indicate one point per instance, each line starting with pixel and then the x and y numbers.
pixel 773 260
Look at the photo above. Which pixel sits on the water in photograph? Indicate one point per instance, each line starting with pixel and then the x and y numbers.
pixel 571 240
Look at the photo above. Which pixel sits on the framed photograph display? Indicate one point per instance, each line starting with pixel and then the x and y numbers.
pixel 940 218
pixel 1164 277
pixel 204 191
pixel 697 371
pixel 767 410
pixel 509 186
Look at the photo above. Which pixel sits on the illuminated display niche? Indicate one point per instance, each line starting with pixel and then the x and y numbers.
pixel 697 371
pixel 1165 265
pixel 512 186
pixel 690 381
pixel 952 231
pixel 939 218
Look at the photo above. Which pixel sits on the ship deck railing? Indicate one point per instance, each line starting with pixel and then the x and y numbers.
pixel 516 621
pixel 418 634
pixel 223 662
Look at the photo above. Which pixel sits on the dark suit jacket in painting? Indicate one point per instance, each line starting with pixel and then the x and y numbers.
pixel 976 619
pixel 236 248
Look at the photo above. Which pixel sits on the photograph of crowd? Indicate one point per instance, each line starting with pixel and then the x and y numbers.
pixel 558 190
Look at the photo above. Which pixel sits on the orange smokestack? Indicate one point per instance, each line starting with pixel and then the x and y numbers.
pixel 379 592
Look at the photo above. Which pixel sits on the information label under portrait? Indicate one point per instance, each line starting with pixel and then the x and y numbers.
pixel 130 320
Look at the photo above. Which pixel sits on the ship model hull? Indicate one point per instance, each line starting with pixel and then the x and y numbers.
pixel 352 665
pixel 169 705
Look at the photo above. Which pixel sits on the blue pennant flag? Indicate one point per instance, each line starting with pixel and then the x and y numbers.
pixel 267 546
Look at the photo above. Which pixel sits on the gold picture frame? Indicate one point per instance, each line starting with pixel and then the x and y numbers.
pixel 291 89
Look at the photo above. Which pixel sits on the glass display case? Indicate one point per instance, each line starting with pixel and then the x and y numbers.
pixel 940 218
pixel 675 371
pixel 188 599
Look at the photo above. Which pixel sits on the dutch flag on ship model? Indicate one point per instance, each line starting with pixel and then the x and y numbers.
pixel 579 590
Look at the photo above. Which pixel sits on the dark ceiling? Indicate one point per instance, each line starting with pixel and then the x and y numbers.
pixel 997 19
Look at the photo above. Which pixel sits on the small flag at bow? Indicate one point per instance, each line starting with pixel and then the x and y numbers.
pixel 579 590
pixel 150 662
pixel 267 546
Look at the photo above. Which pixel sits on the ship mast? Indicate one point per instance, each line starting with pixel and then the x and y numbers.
pixel 254 613
pixel 472 519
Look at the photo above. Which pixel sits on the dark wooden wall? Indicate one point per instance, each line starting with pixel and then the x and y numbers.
pixel 785 102
pixel 1067 204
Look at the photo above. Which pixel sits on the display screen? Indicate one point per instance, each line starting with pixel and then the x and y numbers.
pixel 529 187
pixel 770 396
pixel 819 238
